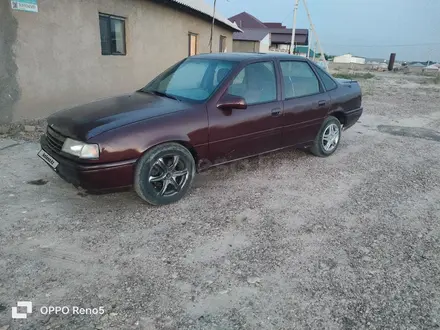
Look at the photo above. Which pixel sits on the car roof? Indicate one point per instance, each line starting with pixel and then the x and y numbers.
pixel 241 57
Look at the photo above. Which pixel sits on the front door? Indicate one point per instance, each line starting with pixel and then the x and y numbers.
pixel 235 134
pixel 306 104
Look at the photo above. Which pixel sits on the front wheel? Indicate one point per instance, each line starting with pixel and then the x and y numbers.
pixel 164 174
pixel 327 140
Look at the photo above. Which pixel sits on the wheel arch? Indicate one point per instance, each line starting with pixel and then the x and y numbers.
pixel 184 143
pixel 190 148
pixel 339 115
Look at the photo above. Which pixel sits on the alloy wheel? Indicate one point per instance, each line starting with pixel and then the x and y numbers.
pixel 168 175
pixel 330 138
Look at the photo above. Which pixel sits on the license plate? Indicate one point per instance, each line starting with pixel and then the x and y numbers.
pixel 48 159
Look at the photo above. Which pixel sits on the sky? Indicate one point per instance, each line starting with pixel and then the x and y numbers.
pixel 367 28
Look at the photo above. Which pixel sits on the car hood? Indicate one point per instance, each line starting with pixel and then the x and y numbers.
pixel 86 121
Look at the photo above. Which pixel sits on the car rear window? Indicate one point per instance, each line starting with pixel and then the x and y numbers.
pixel 328 82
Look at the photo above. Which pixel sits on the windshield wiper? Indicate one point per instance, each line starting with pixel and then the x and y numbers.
pixel 165 95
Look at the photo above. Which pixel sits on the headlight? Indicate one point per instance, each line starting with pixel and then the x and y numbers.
pixel 81 149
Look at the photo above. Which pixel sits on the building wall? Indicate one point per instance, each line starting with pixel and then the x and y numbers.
pixel 347 58
pixel 9 88
pixel 58 51
pixel 265 44
pixel 285 48
pixel 342 59
pixel 245 46
pixel 358 60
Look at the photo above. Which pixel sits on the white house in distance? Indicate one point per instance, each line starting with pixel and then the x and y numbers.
pixel 348 58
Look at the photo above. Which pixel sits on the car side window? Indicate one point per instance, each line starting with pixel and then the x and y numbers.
pixel 299 79
pixel 328 82
pixel 256 83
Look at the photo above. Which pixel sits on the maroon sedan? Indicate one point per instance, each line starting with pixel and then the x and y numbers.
pixel 204 111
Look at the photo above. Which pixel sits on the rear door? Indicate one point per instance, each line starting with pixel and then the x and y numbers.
pixel 305 102
pixel 235 134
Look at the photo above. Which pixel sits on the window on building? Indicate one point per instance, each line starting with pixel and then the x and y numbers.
pixel 112 30
pixel 326 79
pixel 256 83
pixel 222 46
pixel 299 79
pixel 193 41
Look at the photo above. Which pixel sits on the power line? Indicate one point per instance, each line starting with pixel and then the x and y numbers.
pixel 287 16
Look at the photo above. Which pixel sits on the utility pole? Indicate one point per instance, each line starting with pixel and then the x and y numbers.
pixel 292 45
pixel 314 52
pixel 310 42
pixel 212 28
pixel 316 35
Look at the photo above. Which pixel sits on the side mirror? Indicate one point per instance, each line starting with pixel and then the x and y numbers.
pixel 229 102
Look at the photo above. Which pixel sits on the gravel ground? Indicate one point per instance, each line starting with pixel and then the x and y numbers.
pixel 285 241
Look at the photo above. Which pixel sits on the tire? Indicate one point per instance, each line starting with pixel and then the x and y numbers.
pixel 152 174
pixel 321 147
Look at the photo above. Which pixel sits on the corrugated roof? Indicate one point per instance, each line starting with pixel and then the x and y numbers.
pixel 289 31
pixel 203 7
pixel 274 25
pixel 251 34
pixel 247 21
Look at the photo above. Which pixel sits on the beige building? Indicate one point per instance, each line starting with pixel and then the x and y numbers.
pixel 264 37
pixel 251 41
pixel 76 51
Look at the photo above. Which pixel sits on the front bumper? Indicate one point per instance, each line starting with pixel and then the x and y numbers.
pixel 92 177
pixel 352 116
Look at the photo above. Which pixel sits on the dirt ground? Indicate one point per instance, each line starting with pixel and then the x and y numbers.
pixel 285 241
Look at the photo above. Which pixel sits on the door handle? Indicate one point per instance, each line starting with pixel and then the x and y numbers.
pixel 321 103
pixel 276 112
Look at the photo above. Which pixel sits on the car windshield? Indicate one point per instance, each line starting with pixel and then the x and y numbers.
pixel 190 80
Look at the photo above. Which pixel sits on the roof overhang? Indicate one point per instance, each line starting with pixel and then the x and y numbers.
pixel 201 9
pixel 251 35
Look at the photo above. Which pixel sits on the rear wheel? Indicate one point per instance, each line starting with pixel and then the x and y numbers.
pixel 164 174
pixel 327 140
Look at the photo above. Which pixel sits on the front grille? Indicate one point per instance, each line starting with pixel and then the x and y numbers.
pixel 54 139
